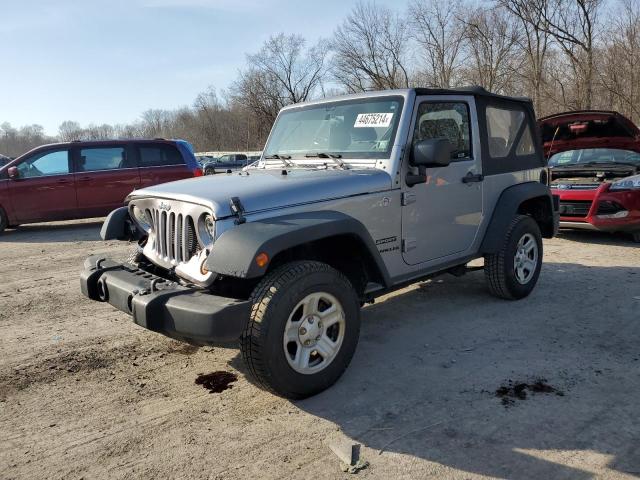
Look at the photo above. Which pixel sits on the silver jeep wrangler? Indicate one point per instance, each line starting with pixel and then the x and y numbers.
pixel 353 197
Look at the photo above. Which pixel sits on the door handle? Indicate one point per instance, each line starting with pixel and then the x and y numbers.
pixel 84 179
pixel 471 178
pixel 63 180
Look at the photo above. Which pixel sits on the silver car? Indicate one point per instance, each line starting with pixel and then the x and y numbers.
pixel 353 197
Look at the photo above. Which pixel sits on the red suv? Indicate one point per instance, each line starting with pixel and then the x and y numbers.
pixel 73 180
pixel 594 160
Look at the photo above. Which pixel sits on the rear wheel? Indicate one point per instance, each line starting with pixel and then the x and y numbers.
pixel 303 329
pixel 513 272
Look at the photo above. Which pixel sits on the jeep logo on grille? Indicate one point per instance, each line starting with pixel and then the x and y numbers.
pixel 164 206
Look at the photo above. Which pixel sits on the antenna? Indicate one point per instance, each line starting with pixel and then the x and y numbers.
pixel 553 140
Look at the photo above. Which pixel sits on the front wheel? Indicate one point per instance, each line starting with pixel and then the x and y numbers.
pixel 303 329
pixel 513 271
pixel 635 236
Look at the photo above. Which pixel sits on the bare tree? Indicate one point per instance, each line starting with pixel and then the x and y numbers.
pixel 534 42
pixel 573 24
pixel 155 122
pixel 619 73
pixel 436 29
pixel 16 141
pixel 69 131
pixel 281 73
pixel 370 49
pixel 492 39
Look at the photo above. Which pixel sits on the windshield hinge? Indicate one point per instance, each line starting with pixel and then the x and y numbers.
pixel 409 244
pixel 238 210
pixel 408 198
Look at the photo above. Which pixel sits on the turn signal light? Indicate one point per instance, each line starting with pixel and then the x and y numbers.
pixel 203 268
pixel 262 259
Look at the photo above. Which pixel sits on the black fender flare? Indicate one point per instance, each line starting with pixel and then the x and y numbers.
pixel 507 207
pixel 234 252
pixel 119 226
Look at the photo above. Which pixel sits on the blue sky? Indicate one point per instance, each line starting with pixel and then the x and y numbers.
pixel 108 61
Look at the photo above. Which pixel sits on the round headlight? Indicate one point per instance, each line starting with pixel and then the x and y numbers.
pixel 142 218
pixel 207 229
pixel 210 225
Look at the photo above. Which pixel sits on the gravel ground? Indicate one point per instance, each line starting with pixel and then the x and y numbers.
pixel 447 382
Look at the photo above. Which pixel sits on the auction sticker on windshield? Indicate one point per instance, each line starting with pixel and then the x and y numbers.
pixel 373 120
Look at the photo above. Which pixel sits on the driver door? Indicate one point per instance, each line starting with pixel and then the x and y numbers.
pixel 441 217
pixel 44 189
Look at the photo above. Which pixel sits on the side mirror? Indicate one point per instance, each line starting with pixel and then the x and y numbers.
pixel 431 152
pixel 13 173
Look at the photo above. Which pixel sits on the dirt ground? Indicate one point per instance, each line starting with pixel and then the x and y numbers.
pixel 85 393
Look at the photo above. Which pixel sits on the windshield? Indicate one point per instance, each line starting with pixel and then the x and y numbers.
pixel 588 156
pixel 363 128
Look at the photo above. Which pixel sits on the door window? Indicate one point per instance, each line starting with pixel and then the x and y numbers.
pixel 45 164
pixel 159 156
pixel 103 158
pixel 448 120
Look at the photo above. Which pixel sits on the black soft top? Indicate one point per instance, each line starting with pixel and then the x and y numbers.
pixel 476 91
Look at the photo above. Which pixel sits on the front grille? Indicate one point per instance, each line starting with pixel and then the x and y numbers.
pixel 175 235
pixel 575 208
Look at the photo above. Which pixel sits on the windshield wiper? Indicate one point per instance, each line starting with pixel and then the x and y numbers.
pixel 336 157
pixel 277 156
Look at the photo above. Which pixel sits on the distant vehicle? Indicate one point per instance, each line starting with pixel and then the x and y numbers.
pixel 595 170
pixel 233 162
pixel 253 164
pixel 4 160
pixel 204 159
pixel 66 181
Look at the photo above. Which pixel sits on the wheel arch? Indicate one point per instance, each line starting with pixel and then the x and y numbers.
pixel 328 236
pixel 531 198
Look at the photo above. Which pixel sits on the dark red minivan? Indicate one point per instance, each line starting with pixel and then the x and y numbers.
pixel 66 181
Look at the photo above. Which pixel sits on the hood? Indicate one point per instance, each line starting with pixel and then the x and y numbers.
pixel 588 129
pixel 261 190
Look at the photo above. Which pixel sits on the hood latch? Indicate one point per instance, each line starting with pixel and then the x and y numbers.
pixel 238 210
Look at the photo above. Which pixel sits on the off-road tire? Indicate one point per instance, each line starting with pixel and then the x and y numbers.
pixel 499 267
pixel 4 222
pixel 273 301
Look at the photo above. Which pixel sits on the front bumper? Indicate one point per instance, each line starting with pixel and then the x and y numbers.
pixel 155 303
pixel 592 218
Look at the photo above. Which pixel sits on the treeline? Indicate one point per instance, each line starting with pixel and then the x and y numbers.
pixel 564 54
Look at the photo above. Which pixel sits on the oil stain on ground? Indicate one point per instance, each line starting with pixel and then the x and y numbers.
pixel 512 391
pixel 216 382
